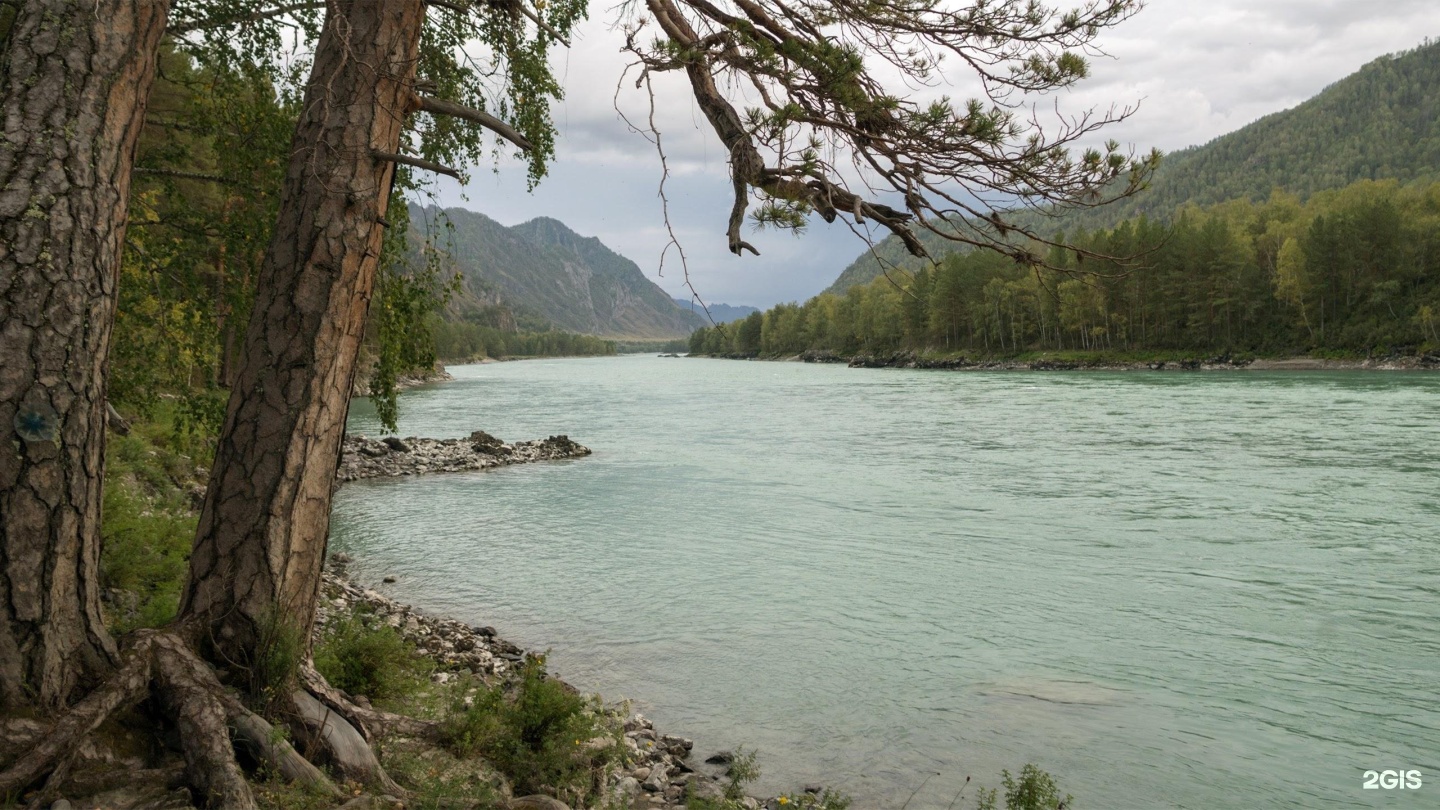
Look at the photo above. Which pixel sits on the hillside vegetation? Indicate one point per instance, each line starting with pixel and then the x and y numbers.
pixel 1382 122
pixel 1349 272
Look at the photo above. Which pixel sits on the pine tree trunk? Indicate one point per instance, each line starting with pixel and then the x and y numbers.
pixel 73 84
pixel 261 541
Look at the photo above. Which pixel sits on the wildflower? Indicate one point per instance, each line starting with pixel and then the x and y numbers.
pixel 784 800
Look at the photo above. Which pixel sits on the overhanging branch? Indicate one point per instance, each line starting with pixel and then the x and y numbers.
pixel 441 107
pixel 419 163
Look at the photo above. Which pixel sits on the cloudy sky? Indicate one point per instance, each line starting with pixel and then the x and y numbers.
pixel 1197 69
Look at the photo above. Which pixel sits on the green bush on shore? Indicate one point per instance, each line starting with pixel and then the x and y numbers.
pixel 372 661
pixel 539 733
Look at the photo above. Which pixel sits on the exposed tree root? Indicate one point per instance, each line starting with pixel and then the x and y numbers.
pixel 265 746
pixel 125 688
pixel 192 695
pixel 371 723
pixel 207 716
pixel 345 750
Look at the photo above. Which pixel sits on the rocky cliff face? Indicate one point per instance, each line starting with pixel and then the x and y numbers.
pixel 574 282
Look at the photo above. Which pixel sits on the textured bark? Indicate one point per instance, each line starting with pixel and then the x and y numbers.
pixel 261 539
pixel 73 84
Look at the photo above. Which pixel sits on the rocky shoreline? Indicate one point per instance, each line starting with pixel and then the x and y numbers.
pixel 1219 363
pixel 362 457
pixel 662 771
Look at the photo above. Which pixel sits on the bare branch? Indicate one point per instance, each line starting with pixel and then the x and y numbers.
pixel 419 163
pixel 541 23
pixel 437 106
pixel 183 175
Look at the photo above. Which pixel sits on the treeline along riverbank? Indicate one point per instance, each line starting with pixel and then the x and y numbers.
pixel 1350 273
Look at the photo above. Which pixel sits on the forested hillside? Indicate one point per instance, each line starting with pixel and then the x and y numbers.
pixel 1382 122
pixel 544 270
pixel 1354 271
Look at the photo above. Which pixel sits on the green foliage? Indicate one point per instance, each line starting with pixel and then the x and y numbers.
pixel 1034 790
pixel 742 770
pixel 539 733
pixel 370 659
pixel 439 781
pixel 148 519
pixel 407 294
pixel 274 792
pixel 1352 272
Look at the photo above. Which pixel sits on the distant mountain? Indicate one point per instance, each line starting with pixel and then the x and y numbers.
pixel 1381 122
pixel 542 273
pixel 722 313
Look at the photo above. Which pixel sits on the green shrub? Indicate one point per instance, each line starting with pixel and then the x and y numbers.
pixel 145 546
pixel 371 661
pixel 1034 790
pixel 539 734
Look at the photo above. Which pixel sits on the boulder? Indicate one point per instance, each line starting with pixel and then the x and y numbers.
pixel 658 781
pixel 482 442
pixel 707 789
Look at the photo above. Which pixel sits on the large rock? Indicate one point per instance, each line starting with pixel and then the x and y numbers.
pixel 658 780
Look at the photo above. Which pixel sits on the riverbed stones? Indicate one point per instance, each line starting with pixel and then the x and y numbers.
pixel 363 457
pixel 658 781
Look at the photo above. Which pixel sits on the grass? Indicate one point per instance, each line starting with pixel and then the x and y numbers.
pixel 148 518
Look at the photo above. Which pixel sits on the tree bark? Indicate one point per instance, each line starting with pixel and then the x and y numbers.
pixel 74 79
pixel 260 544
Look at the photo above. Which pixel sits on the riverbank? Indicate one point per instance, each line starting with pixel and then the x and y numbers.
pixel 1101 362
pixel 657 770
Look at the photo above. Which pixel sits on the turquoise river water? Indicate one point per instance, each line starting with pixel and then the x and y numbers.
pixel 1198 590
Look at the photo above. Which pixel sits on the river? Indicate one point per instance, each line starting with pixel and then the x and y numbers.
pixel 1173 589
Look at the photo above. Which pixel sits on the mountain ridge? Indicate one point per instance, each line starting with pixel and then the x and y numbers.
pixel 721 313
pixel 545 271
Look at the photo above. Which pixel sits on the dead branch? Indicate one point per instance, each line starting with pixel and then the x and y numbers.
pixel 183 175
